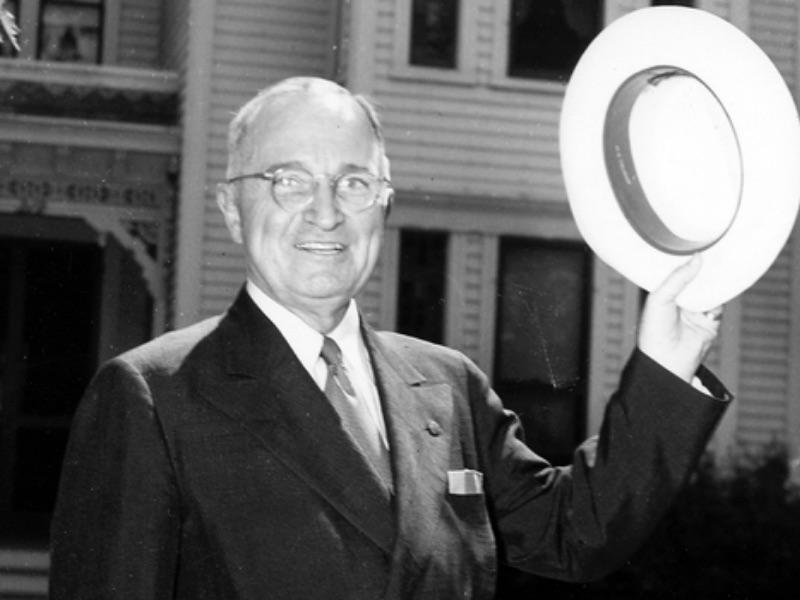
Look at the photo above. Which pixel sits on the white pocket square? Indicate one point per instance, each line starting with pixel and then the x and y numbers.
pixel 465 482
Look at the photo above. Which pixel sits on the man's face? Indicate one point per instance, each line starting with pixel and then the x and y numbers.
pixel 315 259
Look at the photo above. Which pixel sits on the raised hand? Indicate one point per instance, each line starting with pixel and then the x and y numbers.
pixel 676 338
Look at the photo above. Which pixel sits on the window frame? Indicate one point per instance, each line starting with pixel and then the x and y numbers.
pixel 29 21
pixel 464 72
pixel 99 6
pixel 500 49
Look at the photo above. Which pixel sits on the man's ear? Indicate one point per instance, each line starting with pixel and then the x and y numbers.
pixel 226 200
pixel 388 206
pixel 386 169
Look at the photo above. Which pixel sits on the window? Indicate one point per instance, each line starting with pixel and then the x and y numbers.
pixel 59 30
pixel 70 31
pixel 434 33
pixel 434 40
pixel 689 3
pixel 421 289
pixel 542 341
pixel 547 37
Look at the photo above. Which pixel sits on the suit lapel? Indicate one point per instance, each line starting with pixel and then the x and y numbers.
pixel 273 397
pixel 419 416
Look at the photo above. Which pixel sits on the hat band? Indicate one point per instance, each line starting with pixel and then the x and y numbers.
pixel 621 168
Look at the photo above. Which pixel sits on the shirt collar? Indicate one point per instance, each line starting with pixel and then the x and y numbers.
pixel 304 340
pixel 347 334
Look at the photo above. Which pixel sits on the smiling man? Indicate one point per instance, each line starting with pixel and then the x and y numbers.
pixel 287 450
pixel 314 246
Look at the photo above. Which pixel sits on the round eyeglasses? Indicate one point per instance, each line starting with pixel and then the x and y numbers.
pixel 294 189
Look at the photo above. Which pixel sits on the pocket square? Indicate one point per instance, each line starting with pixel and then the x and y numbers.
pixel 465 482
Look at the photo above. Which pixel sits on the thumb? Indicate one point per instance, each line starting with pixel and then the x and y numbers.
pixel 677 281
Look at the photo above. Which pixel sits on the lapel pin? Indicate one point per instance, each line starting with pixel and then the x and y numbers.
pixel 433 428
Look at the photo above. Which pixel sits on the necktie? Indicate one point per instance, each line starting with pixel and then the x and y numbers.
pixel 340 392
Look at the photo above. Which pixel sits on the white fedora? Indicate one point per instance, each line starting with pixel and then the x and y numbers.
pixel 679 136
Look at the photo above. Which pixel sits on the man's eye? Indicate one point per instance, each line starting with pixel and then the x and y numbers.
pixel 354 183
pixel 291 181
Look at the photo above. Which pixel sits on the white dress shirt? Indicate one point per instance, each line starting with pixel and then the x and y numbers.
pixel 306 343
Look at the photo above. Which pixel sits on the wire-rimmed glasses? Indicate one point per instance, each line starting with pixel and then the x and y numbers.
pixel 293 189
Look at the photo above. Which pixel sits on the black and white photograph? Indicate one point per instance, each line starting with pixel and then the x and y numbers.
pixel 399 299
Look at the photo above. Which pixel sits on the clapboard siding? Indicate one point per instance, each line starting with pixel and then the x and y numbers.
pixel 471 306
pixel 466 138
pixel 773 26
pixel 175 40
pixel 608 344
pixel 378 299
pixel 256 43
pixel 139 33
pixel 765 346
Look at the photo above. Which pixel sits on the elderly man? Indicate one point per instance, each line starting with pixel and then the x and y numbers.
pixel 287 450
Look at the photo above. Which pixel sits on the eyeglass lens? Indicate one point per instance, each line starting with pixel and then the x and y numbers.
pixel 355 191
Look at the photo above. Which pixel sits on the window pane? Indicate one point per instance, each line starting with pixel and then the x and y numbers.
pixel 547 37
pixel 542 341
pixel 421 290
pixel 70 31
pixel 434 33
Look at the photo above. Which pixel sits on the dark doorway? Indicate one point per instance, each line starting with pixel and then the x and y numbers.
pixel 49 320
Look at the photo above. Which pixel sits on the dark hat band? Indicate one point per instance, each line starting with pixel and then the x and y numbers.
pixel 621 168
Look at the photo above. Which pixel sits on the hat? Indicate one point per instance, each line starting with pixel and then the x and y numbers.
pixel 679 136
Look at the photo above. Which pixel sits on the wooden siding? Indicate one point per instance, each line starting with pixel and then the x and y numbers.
pixel 774 27
pixel 175 41
pixel 466 137
pixel 378 300
pixel 765 371
pixel 139 33
pixel 617 8
pixel 764 367
pixel 612 334
pixel 256 43
pixel 471 306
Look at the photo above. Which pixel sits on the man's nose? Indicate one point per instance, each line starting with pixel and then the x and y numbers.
pixel 324 210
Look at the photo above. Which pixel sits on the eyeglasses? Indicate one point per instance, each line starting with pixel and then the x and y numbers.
pixel 293 189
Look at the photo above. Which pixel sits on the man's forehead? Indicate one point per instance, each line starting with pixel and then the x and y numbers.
pixel 301 118
pixel 301 105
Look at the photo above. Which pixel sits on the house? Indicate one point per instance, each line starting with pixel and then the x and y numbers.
pixel 113 120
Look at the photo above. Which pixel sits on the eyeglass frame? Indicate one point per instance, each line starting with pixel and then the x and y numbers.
pixel 333 181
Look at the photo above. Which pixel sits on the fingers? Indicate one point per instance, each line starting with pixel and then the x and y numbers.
pixel 715 314
pixel 707 321
pixel 676 281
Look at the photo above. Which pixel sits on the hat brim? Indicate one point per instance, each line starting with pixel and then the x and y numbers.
pixel 762 115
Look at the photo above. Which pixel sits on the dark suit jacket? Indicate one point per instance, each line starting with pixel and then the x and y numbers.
pixel 208 464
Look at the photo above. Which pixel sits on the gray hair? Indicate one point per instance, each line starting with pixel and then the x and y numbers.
pixel 242 121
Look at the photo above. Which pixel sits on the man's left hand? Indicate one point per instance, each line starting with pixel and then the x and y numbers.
pixel 676 338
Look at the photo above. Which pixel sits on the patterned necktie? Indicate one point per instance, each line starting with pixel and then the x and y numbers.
pixel 340 392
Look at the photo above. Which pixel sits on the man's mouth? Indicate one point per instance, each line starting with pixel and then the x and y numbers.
pixel 320 247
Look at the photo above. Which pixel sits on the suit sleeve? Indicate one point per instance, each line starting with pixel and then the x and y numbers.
pixel 583 521
pixel 115 527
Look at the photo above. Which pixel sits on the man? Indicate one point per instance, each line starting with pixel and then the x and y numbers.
pixel 220 461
